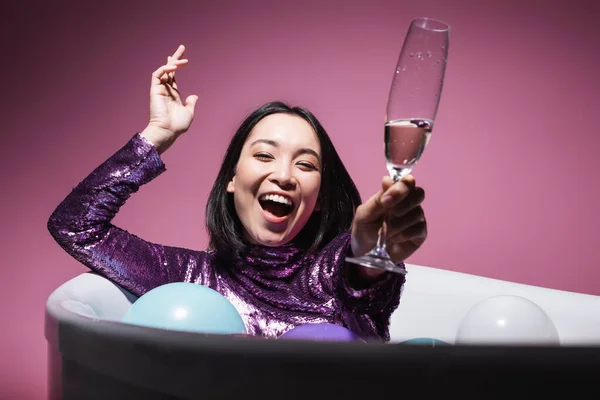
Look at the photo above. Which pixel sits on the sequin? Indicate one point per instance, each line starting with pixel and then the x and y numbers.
pixel 273 289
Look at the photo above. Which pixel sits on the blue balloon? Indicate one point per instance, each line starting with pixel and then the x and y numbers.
pixel 186 307
pixel 425 341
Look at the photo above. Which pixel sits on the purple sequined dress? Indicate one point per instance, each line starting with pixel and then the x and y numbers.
pixel 274 289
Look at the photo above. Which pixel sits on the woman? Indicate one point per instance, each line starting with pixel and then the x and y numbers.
pixel 282 216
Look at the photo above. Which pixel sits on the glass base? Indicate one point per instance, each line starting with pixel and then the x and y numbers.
pixel 376 261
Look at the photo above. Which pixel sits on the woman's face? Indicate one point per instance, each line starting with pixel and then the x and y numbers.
pixel 277 179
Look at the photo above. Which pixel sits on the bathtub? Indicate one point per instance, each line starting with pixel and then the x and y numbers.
pixel 92 355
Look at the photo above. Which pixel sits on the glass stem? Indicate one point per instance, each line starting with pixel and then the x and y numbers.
pixel 382 237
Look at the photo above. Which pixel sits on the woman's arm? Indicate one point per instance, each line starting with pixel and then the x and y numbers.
pixel 365 309
pixel 81 224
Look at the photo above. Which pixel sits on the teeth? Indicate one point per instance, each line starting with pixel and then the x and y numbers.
pixel 276 198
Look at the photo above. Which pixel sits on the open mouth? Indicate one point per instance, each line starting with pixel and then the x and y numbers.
pixel 277 205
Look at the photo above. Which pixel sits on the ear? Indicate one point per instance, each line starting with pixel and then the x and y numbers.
pixel 231 185
pixel 318 204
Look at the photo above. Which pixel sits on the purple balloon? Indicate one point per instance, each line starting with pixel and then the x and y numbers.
pixel 321 331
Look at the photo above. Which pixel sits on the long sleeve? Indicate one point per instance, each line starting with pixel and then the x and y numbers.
pixel 81 225
pixel 365 311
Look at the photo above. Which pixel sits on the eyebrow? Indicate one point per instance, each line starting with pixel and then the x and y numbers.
pixel 273 143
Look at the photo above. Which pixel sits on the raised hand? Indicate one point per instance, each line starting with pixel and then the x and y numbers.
pixel 170 117
pixel 400 203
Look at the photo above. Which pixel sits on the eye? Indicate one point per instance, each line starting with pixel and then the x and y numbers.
pixel 308 166
pixel 263 156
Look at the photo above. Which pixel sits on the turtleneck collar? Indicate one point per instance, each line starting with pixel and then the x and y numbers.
pixel 277 262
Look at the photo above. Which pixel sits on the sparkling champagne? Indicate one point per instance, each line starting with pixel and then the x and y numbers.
pixel 405 141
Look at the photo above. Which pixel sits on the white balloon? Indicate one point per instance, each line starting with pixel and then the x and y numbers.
pixel 507 319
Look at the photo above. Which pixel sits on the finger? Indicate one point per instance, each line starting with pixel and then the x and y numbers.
pixel 412 217
pixel 396 192
pixel 190 102
pixel 178 63
pixel 413 233
pixel 161 74
pixel 387 182
pixel 170 62
pixel 381 202
pixel 167 78
pixel 172 92
pixel 409 180
pixel 179 52
pixel 163 69
pixel 174 61
pixel 400 250
pixel 410 202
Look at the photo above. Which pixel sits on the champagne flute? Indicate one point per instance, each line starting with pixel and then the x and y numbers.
pixel 411 109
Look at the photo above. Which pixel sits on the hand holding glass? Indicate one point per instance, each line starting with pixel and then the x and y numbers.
pixel 411 109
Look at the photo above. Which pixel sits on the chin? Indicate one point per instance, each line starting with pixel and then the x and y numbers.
pixel 270 239
pixel 264 236
pixel 271 242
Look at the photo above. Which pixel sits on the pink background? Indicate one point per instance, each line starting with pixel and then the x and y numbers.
pixel 510 173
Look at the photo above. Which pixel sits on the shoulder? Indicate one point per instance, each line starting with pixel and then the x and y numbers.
pixel 329 260
pixel 339 245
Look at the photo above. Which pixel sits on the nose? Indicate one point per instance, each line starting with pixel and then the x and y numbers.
pixel 283 177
